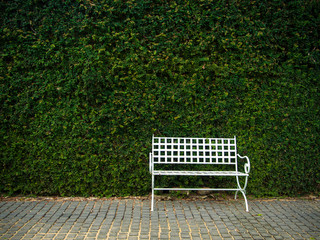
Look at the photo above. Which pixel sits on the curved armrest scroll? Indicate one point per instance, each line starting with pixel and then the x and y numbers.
pixel 246 165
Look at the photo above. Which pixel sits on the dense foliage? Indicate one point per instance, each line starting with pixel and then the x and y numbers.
pixel 84 85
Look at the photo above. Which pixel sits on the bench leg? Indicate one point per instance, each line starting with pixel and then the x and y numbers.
pixel 152 194
pixel 243 191
pixel 235 196
pixel 245 199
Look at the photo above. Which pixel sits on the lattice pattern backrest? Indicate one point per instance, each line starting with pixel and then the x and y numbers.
pixel 194 150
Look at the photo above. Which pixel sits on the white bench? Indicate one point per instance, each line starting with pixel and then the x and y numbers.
pixel 216 152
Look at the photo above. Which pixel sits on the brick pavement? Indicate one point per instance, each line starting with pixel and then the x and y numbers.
pixel 178 219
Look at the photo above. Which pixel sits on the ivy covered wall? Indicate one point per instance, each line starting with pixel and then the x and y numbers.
pixel 85 84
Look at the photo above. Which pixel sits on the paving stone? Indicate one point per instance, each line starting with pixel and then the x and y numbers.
pixel 132 219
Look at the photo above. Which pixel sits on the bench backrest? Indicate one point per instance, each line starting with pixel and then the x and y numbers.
pixel 174 150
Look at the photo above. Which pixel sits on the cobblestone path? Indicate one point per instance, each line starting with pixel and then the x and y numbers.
pixel 178 219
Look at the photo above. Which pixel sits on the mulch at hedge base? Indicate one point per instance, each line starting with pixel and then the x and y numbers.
pixel 191 197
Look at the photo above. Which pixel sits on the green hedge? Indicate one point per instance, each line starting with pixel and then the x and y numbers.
pixel 85 84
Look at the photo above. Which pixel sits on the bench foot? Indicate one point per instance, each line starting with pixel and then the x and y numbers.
pixel 245 198
pixel 152 200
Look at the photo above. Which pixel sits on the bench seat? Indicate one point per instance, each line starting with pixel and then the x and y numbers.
pixel 199 173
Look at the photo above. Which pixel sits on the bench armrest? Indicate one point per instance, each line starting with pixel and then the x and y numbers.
pixel 246 165
pixel 150 162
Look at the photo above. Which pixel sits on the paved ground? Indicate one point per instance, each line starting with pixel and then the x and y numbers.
pixel 178 219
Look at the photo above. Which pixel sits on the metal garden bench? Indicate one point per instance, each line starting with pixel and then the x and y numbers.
pixel 216 153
